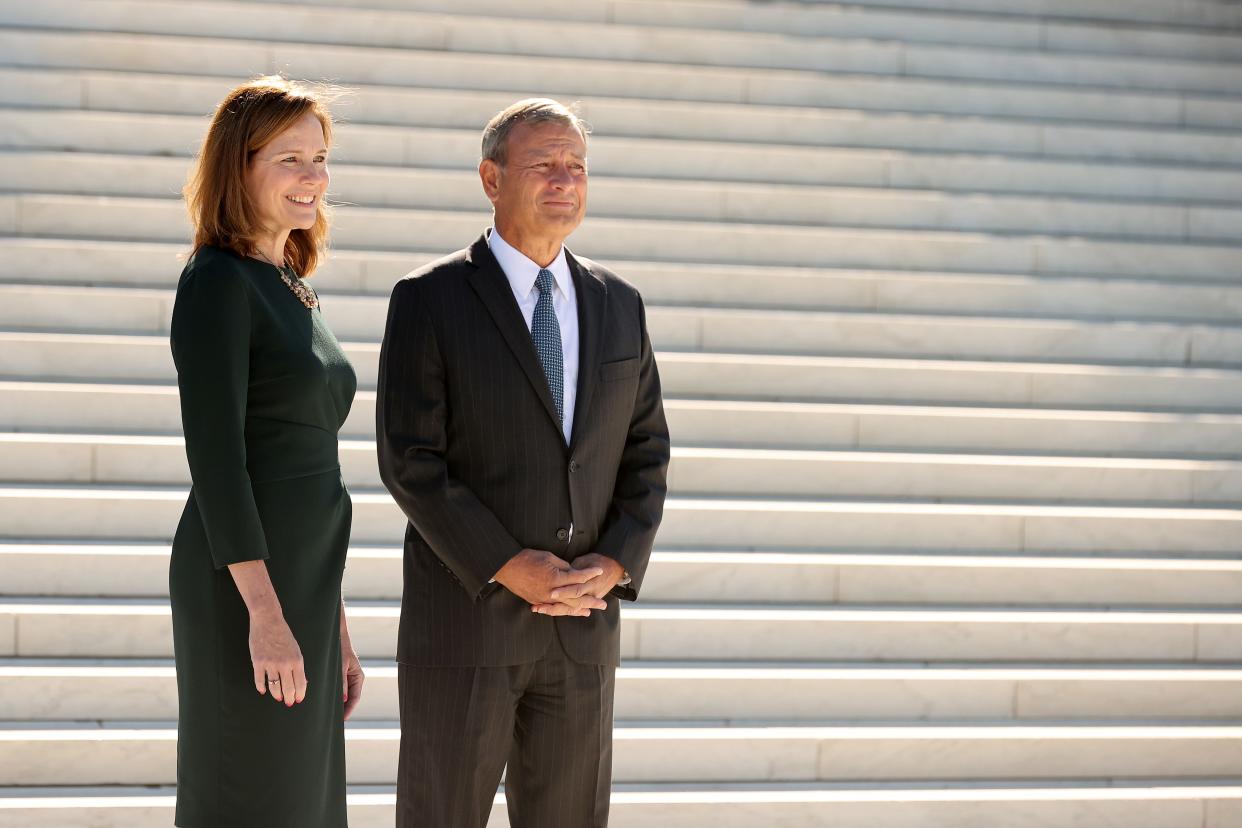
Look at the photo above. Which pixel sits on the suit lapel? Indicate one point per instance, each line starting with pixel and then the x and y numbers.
pixel 489 282
pixel 592 303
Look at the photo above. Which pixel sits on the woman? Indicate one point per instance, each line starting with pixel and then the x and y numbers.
pixel 265 670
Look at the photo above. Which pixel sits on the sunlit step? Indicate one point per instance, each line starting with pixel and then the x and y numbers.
pixel 648 198
pixel 101 569
pixel 619 41
pixel 86 689
pixel 35 512
pixel 129 358
pixel 116 459
pixel 1012 804
pixel 1065 26
pixel 176 137
pixel 458 108
pixel 136 628
pixel 165 219
pixel 121 753
pixel 435 68
pixel 117 408
pixel 59 262
pixel 84 309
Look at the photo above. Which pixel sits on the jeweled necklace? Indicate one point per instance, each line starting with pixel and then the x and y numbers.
pixel 304 292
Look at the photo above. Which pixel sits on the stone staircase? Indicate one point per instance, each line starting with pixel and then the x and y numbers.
pixel 948 300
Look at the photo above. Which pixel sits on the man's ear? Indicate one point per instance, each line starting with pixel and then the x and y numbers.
pixel 489 175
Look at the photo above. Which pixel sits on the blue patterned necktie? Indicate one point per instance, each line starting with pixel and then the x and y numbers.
pixel 546 331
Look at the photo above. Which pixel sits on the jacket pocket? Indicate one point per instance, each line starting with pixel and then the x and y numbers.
pixel 621 369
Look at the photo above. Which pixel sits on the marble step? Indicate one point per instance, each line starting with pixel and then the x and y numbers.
pixel 647 198
pixel 1212 142
pixel 1193 13
pixel 1074 27
pixel 60 262
pixel 1174 803
pixel 122 753
pixel 65 568
pixel 573 77
pixel 101 690
pixel 989 26
pixel 84 407
pixel 771 377
pixel 94 309
pixel 730 243
pixel 177 136
pixel 130 513
pixel 156 460
pixel 142 628
pixel 624 42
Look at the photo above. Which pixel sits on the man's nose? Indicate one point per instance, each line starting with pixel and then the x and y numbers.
pixel 561 176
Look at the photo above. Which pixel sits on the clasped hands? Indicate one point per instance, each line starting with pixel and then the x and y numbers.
pixel 553 586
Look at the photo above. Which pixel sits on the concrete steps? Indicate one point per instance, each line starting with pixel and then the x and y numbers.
pixel 35 406
pixel 947 307
pixel 141 628
pixel 43 308
pixel 147 133
pixel 1167 803
pixel 122 753
pixel 151 219
pixel 1212 143
pixel 116 264
pixel 123 513
pixel 229 57
pixel 700 46
pixel 1055 26
pixel 780 377
pixel 93 690
pixel 1190 14
pixel 67 569
pixel 140 460
pixel 797 205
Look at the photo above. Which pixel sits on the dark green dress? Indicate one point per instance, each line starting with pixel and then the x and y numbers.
pixel 264 388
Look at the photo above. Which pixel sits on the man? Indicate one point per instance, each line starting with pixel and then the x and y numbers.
pixel 522 432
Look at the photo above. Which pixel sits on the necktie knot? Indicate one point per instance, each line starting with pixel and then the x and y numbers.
pixel 544 282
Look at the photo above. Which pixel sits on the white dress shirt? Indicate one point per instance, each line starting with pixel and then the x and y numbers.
pixel 522 273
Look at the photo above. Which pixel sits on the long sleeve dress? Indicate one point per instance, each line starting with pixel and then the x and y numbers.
pixel 265 387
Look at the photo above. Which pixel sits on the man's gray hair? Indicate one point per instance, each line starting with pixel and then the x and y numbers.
pixel 528 111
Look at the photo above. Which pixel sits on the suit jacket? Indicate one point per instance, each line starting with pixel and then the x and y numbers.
pixel 471 449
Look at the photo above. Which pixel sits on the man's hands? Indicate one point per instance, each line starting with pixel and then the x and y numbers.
pixel 553 586
pixel 610 573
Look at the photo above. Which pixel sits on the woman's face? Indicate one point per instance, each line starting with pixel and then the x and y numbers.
pixel 288 176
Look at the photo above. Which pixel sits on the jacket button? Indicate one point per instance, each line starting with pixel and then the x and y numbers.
pixel 573 465
pixel 562 534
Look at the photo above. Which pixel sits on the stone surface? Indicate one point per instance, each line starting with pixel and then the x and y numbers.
pixel 945 299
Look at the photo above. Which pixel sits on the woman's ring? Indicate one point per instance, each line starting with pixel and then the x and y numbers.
pixel 274 680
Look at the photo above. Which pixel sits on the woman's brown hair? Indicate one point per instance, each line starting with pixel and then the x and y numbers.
pixel 247 119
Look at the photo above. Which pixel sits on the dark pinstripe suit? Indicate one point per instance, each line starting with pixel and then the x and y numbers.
pixel 471 449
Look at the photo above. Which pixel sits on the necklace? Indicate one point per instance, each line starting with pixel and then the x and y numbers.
pixel 304 292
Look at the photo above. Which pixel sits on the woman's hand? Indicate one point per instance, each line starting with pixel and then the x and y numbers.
pixel 351 670
pixel 277 658
pixel 353 677
pixel 274 652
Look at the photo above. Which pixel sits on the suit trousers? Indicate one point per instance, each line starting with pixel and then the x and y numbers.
pixel 550 721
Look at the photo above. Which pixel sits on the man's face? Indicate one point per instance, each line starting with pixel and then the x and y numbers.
pixel 541 191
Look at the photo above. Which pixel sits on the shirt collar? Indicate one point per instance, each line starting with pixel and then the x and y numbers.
pixel 522 272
